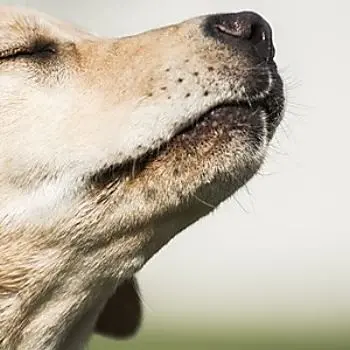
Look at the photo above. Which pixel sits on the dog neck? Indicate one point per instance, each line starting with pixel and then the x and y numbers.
pixel 54 292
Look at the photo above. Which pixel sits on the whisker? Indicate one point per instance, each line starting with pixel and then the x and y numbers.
pixel 240 205
pixel 211 206
pixel 263 173
pixel 133 170
pixel 143 301
pixel 246 188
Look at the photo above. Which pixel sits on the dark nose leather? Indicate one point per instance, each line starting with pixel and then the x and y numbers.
pixel 243 26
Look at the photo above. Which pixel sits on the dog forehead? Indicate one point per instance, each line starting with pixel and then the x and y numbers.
pixel 22 25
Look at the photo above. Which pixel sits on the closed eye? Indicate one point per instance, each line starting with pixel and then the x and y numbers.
pixel 36 50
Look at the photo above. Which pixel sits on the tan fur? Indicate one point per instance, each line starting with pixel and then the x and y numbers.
pixel 67 241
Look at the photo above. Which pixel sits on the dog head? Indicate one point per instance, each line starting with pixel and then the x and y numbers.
pixel 110 147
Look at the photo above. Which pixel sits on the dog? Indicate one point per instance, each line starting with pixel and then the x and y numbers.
pixel 111 147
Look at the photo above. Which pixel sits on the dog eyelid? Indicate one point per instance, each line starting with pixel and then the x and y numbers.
pixel 28 51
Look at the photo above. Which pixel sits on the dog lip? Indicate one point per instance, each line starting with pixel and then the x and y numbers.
pixel 252 104
pixel 248 104
pixel 113 173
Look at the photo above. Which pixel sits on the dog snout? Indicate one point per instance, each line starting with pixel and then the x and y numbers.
pixel 243 27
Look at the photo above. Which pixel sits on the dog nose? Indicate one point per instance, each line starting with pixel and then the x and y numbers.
pixel 245 26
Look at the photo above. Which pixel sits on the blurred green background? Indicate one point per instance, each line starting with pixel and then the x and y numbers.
pixel 205 340
pixel 195 333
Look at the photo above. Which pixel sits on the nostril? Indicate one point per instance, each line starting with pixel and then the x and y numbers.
pixel 236 28
pixel 258 33
pixel 247 26
pixel 261 38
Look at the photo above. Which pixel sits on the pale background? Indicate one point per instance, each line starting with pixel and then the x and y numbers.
pixel 280 252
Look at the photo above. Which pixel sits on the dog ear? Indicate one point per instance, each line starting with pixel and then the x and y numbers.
pixel 122 315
